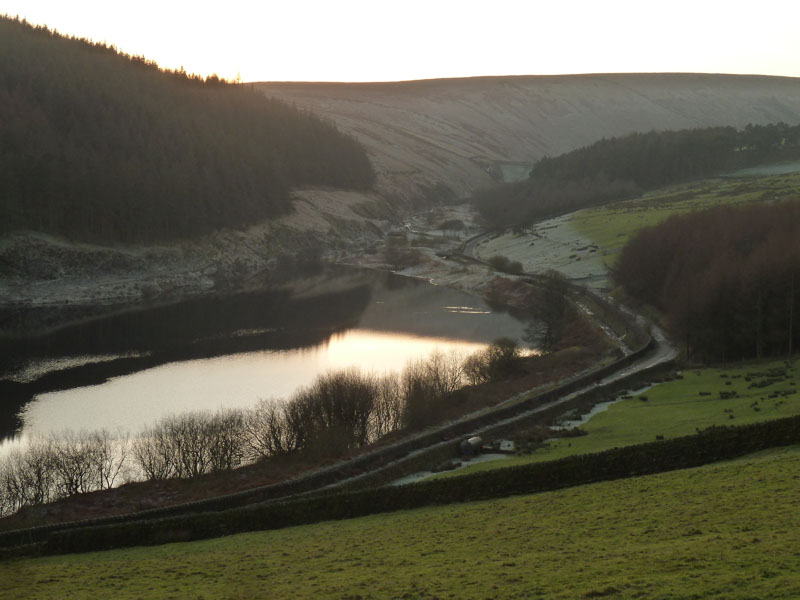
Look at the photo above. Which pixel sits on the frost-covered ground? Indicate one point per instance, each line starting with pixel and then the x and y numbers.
pixel 552 244
pixel 40 270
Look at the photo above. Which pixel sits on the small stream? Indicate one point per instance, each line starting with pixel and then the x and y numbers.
pixel 564 424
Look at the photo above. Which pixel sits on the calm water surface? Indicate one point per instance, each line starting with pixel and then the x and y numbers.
pixel 129 370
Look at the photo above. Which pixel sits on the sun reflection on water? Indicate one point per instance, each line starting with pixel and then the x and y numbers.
pixel 232 381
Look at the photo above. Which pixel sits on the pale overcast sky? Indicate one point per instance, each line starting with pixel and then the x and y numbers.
pixel 389 40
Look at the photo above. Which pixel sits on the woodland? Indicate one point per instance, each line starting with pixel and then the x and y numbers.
pixel 727 279
pixel 97 145
pixel 618 168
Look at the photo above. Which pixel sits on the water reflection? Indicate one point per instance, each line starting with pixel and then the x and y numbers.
pixel 232 381
pixel 130 369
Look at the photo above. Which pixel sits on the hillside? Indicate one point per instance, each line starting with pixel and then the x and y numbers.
pixel 100 146
pixel 426 140
pixel 465 133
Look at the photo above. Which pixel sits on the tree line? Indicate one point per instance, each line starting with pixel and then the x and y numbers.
pixel 727 278
pixel 338 412
pixel 619 168
pixel 99 145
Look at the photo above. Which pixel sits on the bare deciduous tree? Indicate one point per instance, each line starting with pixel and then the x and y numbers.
pixel 226 438
pixel 266 429
pixel 73 463
pixel 26 477
pixel 110 453
pixel 387 413
pixel 154 452
pixel 476 368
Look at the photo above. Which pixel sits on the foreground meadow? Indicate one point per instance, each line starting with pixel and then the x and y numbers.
pixel 727 530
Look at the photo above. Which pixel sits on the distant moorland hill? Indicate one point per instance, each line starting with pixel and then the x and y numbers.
pixel 459 133
pixel 97 145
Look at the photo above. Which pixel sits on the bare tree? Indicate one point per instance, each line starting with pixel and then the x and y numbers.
pixel 110 453
pixel 226 437
pixel 299 421
pixel 419 394
pixel 266 429
pixel 26 477
pixel 189 435
pixel 388 409
pixel 73 463
pixel 154 452
pixel 476 368
pixel 445 371
pixel 340 405
pixel 339 411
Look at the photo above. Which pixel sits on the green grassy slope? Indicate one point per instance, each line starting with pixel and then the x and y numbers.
pixel 677 408
pixel 723 531
pixel 611 225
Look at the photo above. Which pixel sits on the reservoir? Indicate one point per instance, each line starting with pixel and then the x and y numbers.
pixel 125 371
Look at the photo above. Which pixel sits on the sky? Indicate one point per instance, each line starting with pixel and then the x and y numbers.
pixel 394 40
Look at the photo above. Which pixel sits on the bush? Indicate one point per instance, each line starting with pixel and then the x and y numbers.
pixel 502 358
pixel 399 255
pixel 265 428
pixel 335 411
pixel 452 225
pixel 192 444
pixel 425 384
pixel 504 264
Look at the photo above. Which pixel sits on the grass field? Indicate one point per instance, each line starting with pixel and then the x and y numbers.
pixel 677 408
pixel 611 225
pixel 727 530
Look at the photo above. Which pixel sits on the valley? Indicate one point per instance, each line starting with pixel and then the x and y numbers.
pixel 236 320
